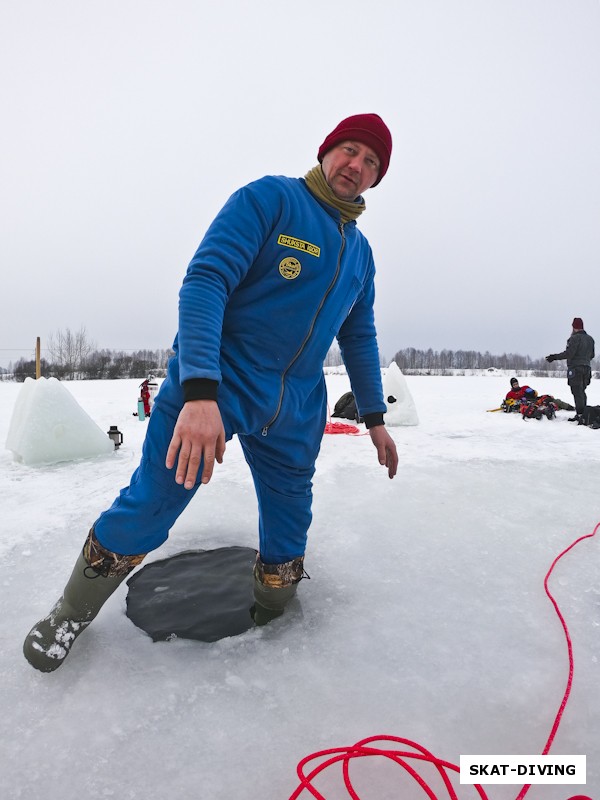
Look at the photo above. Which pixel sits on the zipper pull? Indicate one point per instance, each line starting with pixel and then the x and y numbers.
pixel 265 430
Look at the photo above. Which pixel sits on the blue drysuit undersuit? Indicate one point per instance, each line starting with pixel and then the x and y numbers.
pixel 275 279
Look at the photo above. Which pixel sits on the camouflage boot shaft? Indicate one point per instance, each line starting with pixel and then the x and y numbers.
pixel 97 574
pixel 274 586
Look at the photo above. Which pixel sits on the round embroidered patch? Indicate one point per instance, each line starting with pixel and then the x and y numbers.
pixel 290 268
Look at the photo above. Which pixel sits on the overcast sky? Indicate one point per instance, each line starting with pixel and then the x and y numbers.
pixel 127 124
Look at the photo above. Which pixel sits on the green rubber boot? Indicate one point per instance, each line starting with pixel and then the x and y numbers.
pixel 97 574
pixel 274 587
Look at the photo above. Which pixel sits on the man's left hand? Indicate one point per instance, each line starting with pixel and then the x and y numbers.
pixel 386 448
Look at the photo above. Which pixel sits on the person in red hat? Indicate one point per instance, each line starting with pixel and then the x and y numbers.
pixel 578 354
pixel 347 175
pixel 282 271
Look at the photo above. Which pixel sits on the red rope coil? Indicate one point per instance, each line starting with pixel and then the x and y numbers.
pixel 341 427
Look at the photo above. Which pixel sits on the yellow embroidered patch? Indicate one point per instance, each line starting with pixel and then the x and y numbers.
pixel 299 244
pixel 290 268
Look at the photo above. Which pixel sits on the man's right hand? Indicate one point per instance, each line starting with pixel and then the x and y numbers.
pixel 199 434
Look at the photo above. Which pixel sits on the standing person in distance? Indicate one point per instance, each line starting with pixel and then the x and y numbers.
pixel 281 272
pixel 578 354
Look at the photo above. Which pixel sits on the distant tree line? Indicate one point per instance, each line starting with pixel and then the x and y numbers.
pixel 98 365
pixel 73 356
pixel 334 357
pixel 411 359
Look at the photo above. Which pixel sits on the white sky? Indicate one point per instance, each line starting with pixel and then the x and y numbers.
pixel 126 125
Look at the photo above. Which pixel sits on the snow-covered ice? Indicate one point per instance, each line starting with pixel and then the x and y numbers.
pixel 425 616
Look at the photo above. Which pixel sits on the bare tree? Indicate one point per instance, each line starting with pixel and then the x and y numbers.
pixel 334 357
pixel 69 350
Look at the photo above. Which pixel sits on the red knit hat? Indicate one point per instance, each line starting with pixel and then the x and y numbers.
pixel 369 129
pixel 578 324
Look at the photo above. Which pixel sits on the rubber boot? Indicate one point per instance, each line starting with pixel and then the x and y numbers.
pixel 274 587
pixel 96 575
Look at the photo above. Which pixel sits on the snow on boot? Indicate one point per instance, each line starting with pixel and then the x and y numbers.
pixel 96 575
pixel 274 587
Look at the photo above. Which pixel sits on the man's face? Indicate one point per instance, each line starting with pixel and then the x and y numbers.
pixel 349 168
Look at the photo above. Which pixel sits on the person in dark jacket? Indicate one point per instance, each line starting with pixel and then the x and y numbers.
pixel 578 354
pixel 280 273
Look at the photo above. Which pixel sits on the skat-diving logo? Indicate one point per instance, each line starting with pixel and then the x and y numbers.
pixel 290 268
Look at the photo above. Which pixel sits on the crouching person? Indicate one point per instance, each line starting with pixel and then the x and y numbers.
pixel 281 271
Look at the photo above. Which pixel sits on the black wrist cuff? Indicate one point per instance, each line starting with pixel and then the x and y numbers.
pixel 199 389
pixel 374 419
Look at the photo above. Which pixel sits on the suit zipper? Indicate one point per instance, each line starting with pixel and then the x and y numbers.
pixel 298 353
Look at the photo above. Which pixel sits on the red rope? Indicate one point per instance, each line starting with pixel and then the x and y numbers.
pixel 360 750
pixel 420 753
pixel 341 427
pixel 565 698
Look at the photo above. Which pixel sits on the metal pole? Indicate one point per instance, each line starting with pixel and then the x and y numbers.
pixel 38 365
